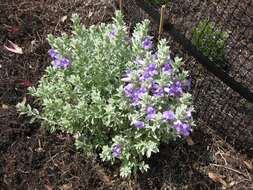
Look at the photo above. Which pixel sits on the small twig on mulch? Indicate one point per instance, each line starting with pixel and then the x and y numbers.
pixel 229 168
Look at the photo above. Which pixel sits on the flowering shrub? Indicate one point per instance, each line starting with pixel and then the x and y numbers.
pixel 114 93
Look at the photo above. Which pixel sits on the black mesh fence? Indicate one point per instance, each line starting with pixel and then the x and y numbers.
pixel 231 17
pixel 221 68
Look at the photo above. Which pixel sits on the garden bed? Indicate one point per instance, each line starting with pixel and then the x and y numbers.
pixel 31 158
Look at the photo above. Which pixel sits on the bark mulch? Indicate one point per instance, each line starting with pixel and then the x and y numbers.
pixel 31 158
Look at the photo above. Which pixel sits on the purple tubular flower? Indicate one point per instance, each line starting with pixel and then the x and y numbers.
pixel 64 63
pixel 156 90
pixel 54 55
pixel 128 89
pixel 139 124
pixel 167 68
pixel 149 72
pixel 169 115
pixel 112 34
pixel 182 128
pixel 175 89
pixel 57 63
pixel 152 69
pixel 116 150
pixel 186 130
pixel 137 95
pixel 141 92
pixel 151 113
pixel 147 43
pixel 145 76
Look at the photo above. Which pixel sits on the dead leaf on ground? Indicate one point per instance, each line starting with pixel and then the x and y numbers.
pixel 24 83
pixel 14 48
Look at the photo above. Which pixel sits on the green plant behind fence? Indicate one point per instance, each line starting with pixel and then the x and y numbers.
pixel 210 40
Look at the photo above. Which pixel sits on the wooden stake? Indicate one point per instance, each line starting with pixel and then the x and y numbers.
pixel 161 21
pixel 120 5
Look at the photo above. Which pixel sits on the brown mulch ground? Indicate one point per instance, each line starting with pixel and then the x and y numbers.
pixel 31 158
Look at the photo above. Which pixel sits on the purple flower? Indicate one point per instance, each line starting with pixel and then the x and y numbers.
pixel 113 34
pixel 149 72
pixel 116 150
pixel 169 115
pixel 145 76
pixel 182 128
pixel 152 69
pixel 54 55
pixel 151 113
pixel 147 43
pixel 137 95
pixel 57 63
pixel 167 68
pixel 156 89
pixel 141 91
pixel 185 130
pixel 139 124
pixel 128 89
pixel 175 89
pixel 64 63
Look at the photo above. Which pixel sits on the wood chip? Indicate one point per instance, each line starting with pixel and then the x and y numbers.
pixel 5 107
pixel 66 187
pixel 190 141
pixel 64 18
pixel 249 165
pixel 217 178
pixel 48 187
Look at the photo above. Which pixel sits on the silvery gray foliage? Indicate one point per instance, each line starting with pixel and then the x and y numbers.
pixel 113 93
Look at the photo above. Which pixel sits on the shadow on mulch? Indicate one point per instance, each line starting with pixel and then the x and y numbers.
pixel 31 158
